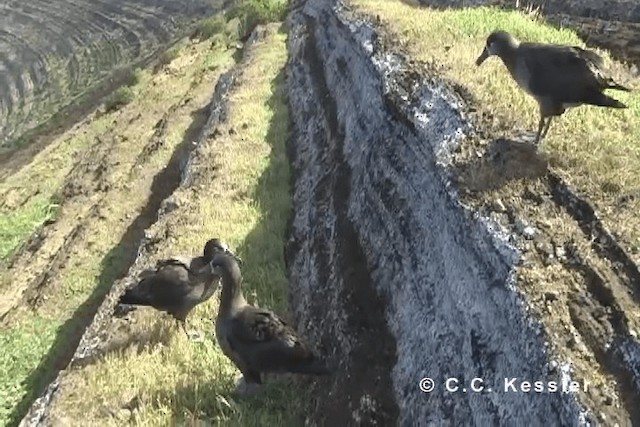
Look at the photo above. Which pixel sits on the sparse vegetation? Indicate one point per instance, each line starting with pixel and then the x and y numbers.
pixel 169 55
pixel 209 27
pixel 101 174
pixel 16 225
pixel 257 12
pixel 122 96
pixel 596 149
pixel 243 172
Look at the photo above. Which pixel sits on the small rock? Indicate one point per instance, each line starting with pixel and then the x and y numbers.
pixel 498 206
pixel 550 296
pixel 544 224
pixel 169 205
pixel 529 232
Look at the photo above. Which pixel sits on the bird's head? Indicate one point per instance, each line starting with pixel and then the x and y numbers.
pixel 217 246
pixel 499 43
pixel 225 264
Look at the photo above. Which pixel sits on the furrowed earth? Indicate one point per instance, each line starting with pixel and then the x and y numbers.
pixel 124 141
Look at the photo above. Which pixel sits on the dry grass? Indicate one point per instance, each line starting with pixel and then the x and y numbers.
pixel 240 193
pixel 100 158
pixel 595 149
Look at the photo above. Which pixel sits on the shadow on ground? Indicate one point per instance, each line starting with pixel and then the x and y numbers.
pixel 114 266
pixel 263 247
pixel 503 161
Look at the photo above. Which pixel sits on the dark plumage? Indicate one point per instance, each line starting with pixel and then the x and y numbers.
pixel 557 76
pixel 178 284
pixel 257 340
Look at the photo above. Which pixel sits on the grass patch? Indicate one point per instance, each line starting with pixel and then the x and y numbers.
pixel 169 55
pixel 17 225
pixel 27 341
pixel 241 194
pixel 240 20
pixel 209 27
pixel 111 161
pixel 596 149
pixel 257 12
pixel 121 97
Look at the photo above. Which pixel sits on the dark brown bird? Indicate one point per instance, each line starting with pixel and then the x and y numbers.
pixel 257 340
pixel 557 76
pixel 178 284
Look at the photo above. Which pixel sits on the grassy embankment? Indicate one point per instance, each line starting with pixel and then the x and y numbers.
pixel 241 193
pixel 97 182
pixel 595 149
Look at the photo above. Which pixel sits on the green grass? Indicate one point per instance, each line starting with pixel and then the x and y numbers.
pixel 256 12
pixel 240 20
pixel 20 357
pixel 169 55
pixel 121 97
pixel 207 28
pixel 17 225
pixel 243 196
pixel 32 340
pixel 595 149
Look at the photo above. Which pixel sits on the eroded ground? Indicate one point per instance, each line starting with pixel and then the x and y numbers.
pixel 579 271
pixel 54 51
pixel 146 371
pixel 107 177
pixel 99 186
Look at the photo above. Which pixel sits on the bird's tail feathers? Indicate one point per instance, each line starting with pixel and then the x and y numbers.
pixel 611 84
pixel 602 100
pixel 134 295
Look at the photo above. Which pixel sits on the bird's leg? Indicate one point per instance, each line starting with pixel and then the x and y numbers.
pixel 182 324
pixel 540 128
pixel 193 335
pixel 546 128
pixel 248 384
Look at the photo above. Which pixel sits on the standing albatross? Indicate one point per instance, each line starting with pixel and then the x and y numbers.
pixel 178 284
pixel 557 76
pixel 257 340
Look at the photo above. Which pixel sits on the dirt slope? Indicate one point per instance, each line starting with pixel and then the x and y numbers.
pixel 140 369
pixel 109 175
pixel 54 51
pixel 485 261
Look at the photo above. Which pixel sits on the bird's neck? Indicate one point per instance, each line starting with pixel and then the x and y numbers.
pixel 509 56
pixel 231 293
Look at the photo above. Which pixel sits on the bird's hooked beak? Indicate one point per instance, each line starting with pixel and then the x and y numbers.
pixel 483 56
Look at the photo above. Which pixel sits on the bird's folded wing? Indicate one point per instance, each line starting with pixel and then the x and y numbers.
pixel 257 326
pixel 559 71
pixel 174 261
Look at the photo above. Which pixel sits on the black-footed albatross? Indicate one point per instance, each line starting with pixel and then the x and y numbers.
pixel 178 284
pixel 557 76
pixel 257 340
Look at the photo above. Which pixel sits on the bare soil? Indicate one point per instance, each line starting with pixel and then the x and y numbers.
pixel 113 191
pixel 55 51
pixel 576 276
